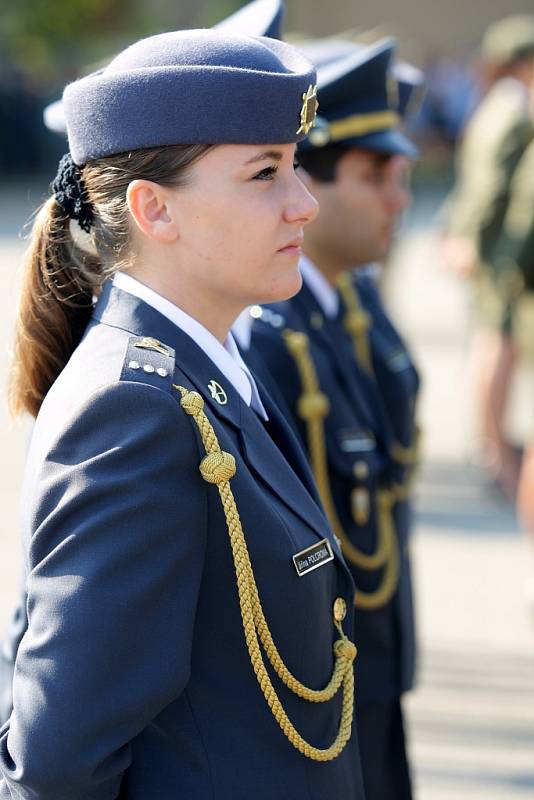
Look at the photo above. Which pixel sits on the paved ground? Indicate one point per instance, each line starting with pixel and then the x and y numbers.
pixel 472 718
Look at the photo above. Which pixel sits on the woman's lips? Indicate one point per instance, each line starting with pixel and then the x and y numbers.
pixel 294 247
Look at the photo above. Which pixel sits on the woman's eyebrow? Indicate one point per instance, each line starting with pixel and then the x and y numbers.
pixel 267 155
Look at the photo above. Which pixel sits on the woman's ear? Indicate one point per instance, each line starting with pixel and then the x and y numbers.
pixel 149 205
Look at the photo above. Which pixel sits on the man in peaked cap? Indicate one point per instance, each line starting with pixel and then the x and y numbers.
pixel 317 348
pixel 493 145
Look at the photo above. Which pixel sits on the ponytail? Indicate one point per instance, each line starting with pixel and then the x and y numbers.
pixel 54 309
pixel 61 278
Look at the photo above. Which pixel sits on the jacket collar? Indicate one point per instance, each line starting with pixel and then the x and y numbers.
pixel 331 336
pixel 121 309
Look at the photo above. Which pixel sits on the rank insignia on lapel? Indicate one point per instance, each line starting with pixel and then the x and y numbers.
pixel 313 557
pixel 217 392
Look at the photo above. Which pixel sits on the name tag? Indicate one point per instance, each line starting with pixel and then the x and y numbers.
pixel 351 441
pixel 313 557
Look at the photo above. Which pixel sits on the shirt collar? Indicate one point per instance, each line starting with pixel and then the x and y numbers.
pixel 242 329
pixel 324 293
pixel 225 356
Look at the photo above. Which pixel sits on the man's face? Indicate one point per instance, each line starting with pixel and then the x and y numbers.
pixel 360 209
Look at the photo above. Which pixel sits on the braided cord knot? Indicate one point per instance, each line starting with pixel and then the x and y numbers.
pixel 192 403
pixel 218 467
pixel 344 648
pixel 313 405
pixel 297 342
pixel 357 322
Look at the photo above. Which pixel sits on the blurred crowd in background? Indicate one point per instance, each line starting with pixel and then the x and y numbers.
pixel 43 45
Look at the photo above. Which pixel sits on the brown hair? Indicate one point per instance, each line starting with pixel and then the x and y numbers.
pixel 61 277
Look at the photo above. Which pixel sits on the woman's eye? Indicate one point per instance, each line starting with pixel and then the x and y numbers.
pixel 266 174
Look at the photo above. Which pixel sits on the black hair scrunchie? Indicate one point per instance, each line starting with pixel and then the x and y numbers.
pixel 71 194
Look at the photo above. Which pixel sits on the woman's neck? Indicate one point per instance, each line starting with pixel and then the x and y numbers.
pixel 213 313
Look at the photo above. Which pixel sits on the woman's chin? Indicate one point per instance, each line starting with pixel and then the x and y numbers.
pixel 286 287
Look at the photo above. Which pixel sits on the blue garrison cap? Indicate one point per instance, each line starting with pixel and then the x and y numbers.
pixel 191 87
pixel 259 18
pixel 358 97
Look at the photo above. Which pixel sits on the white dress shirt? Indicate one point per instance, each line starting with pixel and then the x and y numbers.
pixel 226 356
pixel 242 328
pixel 324 292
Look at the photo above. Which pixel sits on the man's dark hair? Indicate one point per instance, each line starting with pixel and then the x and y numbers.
pixel 321 163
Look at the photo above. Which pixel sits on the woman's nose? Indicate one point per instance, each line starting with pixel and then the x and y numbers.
pixel 303 207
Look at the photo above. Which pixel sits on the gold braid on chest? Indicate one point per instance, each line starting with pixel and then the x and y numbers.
pixel 358 323
pixel 218 467
pixel 312 407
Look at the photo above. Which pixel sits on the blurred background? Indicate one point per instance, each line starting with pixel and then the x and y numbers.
pixel 472 715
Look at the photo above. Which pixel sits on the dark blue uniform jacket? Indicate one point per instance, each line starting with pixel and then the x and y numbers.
pixel 133 680
pixel 396 374
pixel 398 380
pixel 357 431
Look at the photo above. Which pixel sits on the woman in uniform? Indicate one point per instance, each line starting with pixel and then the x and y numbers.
pixel 187 601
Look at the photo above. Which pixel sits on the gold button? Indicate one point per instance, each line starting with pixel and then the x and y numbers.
pixel 340 609
pixel 316 320
pixel 361 470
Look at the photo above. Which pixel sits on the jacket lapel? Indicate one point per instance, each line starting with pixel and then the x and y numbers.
pixel 331 336
pixel 287 441
pixel 283 473
pixel 123 310
pixel 274 471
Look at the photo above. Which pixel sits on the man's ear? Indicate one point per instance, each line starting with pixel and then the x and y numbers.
pixel 148 203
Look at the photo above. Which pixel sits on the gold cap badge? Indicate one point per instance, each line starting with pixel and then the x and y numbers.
pixel 308 110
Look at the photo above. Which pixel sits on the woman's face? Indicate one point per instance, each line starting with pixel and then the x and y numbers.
pixel 240 220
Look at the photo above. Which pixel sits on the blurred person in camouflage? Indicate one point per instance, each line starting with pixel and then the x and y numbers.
pixel 476 214
pixel 515 250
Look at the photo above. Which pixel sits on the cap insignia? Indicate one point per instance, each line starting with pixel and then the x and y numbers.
pixel 308 110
